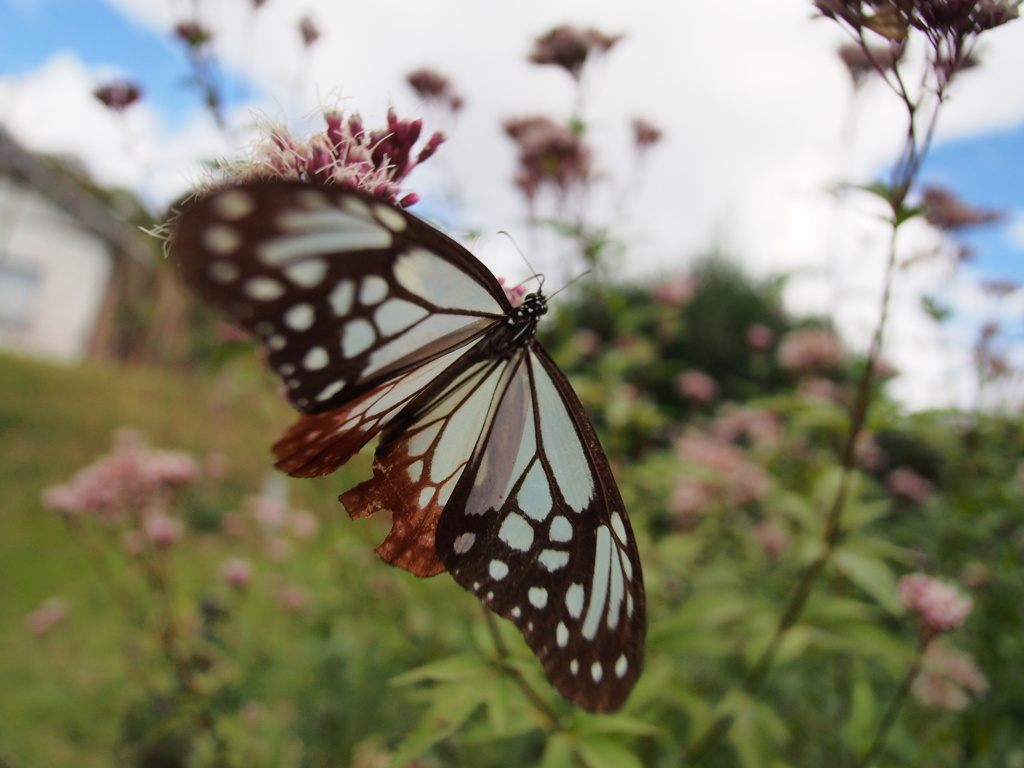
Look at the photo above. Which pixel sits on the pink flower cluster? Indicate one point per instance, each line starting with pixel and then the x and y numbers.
pixel 345 155
pixel 675 291
pixel 48 616
pixel 907 484
pixel 947 679
pixel 550 154
pixel 939 607
pixel 811 350
pixel 570 47
pixel 720 473
pixel 128 480
pixel 514 293
pixel 696 387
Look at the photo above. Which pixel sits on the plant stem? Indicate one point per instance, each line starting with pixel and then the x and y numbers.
pixel 895 704
pixel 535 698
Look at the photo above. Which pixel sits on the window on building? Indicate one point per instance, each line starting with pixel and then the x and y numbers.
pixel 19 291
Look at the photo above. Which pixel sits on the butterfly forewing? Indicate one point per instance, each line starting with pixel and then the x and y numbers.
pixel 378 323
pixel 345 292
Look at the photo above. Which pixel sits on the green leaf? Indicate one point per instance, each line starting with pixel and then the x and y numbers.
pixel 871 574
pixel 450 710
pixel 600 752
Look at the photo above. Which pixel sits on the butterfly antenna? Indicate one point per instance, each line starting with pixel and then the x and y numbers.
pixel 536 275
pixel 574 280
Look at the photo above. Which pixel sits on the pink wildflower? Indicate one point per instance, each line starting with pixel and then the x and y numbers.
pixel 759 337
pixel 514 293
pixel 947 212
pixel 49 615
pixel 550 154
pixel 675 291
pixel 569 47
pixel 269 512
pixel 747 425
pixel 434 88
pixel 696 387
pixel 645 134
pixel 811 350
pixel 939 606
pixel 192 33
pixel 309 31
pixel 724 467
pixel 690 500
pixel 772 537
pixel 293 598
pixel 907 484
pixel 303 525
pixel 947 679
pixel 237 573
pixel 345 155
pixel 118 95
pixel 161 529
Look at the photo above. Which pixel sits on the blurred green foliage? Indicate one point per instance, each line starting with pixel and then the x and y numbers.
pixel 331 658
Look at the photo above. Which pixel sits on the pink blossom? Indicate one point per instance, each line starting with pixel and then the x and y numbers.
pixel 759 336
pixel 947 679
pixel 303 525
pixel 125 481
pixel 645 134
pixel 551 154
pixel 433 87
pixel 811 350
pixel 588 343
pixel 278 549
pixel 823 389
pixel 743 424
pixel 675 291
pixel 49 615
pixel 868 454
pixel 294 598
pixel 515 293
pixel 690 500
pixel 269 513
pixel 569 47
pixel 117 96
pixel 161 529
pixel 724 467
pixel 309 31
pixel 939 606
pixel 696 387
pixel 345 155
pixel 237 573
pixel 772 537
pixel 909 485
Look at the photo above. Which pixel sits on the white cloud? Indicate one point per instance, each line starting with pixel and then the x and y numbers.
pixel 755 105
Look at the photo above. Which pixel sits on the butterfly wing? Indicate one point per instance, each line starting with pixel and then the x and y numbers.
pixel 536 528
pixel 345 292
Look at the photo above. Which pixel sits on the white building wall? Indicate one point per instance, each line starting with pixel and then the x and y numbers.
pixel 53 276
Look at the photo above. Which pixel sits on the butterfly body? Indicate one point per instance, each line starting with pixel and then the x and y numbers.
pixel 378 324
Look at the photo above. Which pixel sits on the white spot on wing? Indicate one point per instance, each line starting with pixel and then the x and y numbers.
pixel 425 496
pixel 263 288
pixel 498 570
pixel 221 271
pixel 373 290
pixel 415 470
pixel 560 530
pixel 341 297
pixel 562 634
pixel 516 532
pixel 538 597
pixel 233 204
pixel 329 230
pixel 619 527
pixel 442 283
pixel 574 667
pixel 316 359
pixel 599 583
pixel 535 495
pixel 396 315
pixel 300 317
pixel 574 600
pixel 221 239
pixel 616 594
pixel 390 218
pixel 330 391
pixel 277 342
pixel 308 273
pixel 596 671
pixel 357 337
pixel 621 665
pixel 552 559
pixel 464 543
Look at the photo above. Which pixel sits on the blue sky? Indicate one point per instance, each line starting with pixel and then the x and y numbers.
pixel 102 37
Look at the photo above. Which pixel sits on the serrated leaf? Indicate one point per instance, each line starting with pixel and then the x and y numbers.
pixel 449 669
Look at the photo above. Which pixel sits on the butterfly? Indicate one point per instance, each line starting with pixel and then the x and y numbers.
pixel 377 323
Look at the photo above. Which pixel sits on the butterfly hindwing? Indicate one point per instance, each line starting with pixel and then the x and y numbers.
pixel 379 324
pixel 537 530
